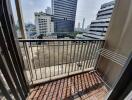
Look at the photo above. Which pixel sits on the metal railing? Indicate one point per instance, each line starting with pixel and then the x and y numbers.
pixel 57 58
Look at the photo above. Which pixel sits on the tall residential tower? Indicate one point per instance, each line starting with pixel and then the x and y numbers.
pixel 64 12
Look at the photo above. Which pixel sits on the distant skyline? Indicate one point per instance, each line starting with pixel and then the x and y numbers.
pixel 85 9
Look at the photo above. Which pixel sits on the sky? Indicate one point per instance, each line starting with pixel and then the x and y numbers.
pixel 85 9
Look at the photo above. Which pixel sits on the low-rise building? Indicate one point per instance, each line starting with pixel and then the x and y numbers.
pixel 31 30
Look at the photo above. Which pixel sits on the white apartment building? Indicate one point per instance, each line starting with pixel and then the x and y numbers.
pixel 44 23
pixel 99 26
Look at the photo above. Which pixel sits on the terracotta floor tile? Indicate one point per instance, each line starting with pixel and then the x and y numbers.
pixel 84 86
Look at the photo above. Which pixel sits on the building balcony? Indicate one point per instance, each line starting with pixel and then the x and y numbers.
pixel 66 69
pixel 63 69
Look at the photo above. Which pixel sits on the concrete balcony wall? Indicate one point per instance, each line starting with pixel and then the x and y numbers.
pixel 118 39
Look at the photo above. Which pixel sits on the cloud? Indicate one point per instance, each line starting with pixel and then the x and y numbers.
pixel 88 9
pixel 85 9
pixel 29 7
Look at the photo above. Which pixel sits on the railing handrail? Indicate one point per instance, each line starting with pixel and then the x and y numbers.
pixel 36 40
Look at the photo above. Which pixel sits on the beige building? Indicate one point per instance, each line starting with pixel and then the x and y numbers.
pixel 44 23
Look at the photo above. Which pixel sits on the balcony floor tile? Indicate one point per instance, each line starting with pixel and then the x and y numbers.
pixel 84 86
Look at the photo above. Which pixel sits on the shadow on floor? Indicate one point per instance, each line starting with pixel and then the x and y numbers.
pixel 78 87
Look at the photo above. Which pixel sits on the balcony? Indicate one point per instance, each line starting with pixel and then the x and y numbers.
pixel 67 69
pixel 59 65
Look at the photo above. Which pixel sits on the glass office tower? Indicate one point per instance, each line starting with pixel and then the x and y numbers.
pixel 64 12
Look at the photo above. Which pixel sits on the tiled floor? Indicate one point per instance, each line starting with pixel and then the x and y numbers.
pixel 85 86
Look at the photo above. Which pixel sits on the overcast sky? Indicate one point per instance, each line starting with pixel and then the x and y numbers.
pixel 85 9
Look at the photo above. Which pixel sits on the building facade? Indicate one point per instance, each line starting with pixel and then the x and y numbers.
pixel 31 31
pixel 44 23
pixel 99 26
pixel 64 12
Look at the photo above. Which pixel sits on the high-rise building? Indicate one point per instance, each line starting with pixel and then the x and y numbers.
pixel 48 11
pixel 99 26
pixel 44 23
pixel 64 12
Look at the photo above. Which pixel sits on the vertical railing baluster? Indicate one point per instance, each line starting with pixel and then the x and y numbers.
pixel 87 48
pixel 88 54
pixel 95 51
pixel 80 56
pixel 84 52
pixel 62 57
pixel 44 59
pixel 92 53
pixel 66 56
pixel 58 57
pixel 33 59
pixel 49 58
pixel 39 60
pixel 73 64
pixel 77 55
pixel 54 58
pixel 70 58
